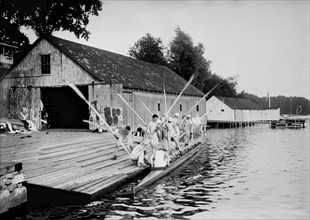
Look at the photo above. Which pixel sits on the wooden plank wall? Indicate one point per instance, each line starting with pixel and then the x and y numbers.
pixel 151 100
pixel 28 73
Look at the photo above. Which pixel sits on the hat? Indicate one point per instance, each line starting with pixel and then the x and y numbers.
pixel 170 119
pixel 176 114
pixel 188 116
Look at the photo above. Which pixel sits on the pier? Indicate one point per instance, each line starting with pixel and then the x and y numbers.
pixel 67 167
pixel 233 124
pixel 288 123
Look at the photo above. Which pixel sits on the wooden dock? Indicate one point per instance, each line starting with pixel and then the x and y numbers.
pixel 59 164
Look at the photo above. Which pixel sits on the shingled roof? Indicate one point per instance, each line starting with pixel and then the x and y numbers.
pixel 238 103
pixel 114 68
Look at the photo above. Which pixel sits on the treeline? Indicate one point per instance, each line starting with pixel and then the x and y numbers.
pixel 185 58
pixel 287 105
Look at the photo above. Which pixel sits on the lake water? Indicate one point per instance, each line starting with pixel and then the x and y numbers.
pixel 245 173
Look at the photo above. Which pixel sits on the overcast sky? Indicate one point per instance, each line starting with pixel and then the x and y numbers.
pixel 265 43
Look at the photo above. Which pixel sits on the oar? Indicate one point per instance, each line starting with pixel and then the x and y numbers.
pixel 205 114
pixel 122 98
pixel 144 105
pixel 175 101
pixel 95 124
pixel 96 112
pixel 165 98
pixel 201 99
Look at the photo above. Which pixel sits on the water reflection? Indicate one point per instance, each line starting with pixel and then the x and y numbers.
pixel 250 173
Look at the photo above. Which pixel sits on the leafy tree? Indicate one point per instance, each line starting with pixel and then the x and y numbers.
pixel 185 59
pixel 150 49
pixel 183 56
pixel 226 88
pixel 10 34
pixel 45 17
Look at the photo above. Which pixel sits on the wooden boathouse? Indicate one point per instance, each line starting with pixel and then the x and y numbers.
pixel 40 81
pixel 223 112
pixel 78 163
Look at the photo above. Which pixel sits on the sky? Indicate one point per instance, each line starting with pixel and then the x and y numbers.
pixel 264 43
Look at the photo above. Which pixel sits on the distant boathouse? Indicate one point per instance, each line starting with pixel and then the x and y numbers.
pixel 235 112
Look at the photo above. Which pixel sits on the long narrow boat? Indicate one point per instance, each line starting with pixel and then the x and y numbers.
pixel 155 175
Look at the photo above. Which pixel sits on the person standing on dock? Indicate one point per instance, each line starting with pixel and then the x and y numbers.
pixel 172 134
pixel 120 134
pixel 187 129
pixel 161 131
pixel 151 131
pixel 176 124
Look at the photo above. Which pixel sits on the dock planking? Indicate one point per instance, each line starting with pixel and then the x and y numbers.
pixel 78 162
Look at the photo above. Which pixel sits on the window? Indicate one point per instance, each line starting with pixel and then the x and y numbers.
pixel 8 53
pixel 45 64
pixel 197 108
pixel 180 107
pixel 222 110
pixel 158 106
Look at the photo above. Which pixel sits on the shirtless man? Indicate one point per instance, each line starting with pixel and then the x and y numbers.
pixel 121 134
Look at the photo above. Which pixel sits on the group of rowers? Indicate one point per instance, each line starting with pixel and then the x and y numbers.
pixel 160 141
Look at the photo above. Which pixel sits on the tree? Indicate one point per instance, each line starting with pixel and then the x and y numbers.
pixel 150 49
pixel 185 59
pixel 183 56
pixel 10 34
pixel 226 88
pixel 45 17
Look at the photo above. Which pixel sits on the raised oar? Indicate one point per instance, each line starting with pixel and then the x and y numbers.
pixel 122 98
pixel 96 112
pixel 205 114
pixel 144 105
pixel 205 96
pixel 165 97
pixel 175 101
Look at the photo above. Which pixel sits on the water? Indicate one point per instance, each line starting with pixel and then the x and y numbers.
pixel 245 173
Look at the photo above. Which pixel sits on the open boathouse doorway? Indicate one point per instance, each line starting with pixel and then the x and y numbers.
pixel 64 107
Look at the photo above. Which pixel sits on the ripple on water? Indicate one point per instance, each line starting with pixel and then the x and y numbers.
pixel 246 173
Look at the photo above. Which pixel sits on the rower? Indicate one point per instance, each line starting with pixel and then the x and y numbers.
pixel 138 155
pixel 172 134
pixel 120 134
pixel 160 159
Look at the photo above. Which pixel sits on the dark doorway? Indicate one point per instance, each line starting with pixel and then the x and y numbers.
pixel 64 107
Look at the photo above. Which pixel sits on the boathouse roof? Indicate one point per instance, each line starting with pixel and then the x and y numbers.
pixel 113 68
pixel 243 104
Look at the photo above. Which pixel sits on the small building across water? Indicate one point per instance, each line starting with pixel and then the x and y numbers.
pixel 237 111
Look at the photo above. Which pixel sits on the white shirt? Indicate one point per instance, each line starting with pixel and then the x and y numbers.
pixel 159 159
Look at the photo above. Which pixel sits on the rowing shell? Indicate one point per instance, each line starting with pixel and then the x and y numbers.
pixel 154 175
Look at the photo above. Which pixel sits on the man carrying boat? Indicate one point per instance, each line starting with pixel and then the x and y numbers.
pixel 120 134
